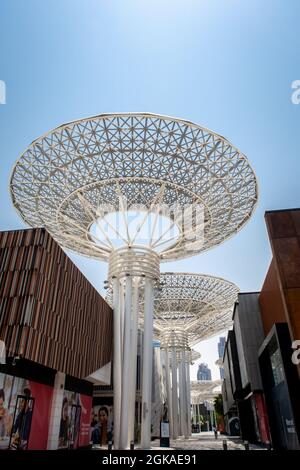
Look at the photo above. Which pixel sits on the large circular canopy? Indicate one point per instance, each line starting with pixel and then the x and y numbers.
pixel 96 183
pixel 205 390
pixel 195 306
pixel 195 355
pixel 203 386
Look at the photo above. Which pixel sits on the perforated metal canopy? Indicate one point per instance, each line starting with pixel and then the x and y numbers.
pixel 192 307
pixel 219 362
pixel 195 355
pixel 73 179
pixel 205 390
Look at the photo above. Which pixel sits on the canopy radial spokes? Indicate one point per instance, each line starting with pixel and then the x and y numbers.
pixel 81 179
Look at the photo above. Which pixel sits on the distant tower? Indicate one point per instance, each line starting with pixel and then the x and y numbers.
pixel 204 373
pixel 221 348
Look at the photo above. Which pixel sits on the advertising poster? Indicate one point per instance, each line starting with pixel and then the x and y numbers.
pixel 262 418
pixel 85 424
pixel 74 429
pixel 102 424
pixel 24 413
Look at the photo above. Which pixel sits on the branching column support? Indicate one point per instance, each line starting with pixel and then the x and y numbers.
pixel 147 365
pixel 117 363
pixel 188 398
pixel 169 390
pixel 130 271
pixel 174 394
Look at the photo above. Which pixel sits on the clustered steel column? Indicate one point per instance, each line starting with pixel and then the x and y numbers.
pixel 182 403
pixel 199 416
pixel 127 360
pixel 194 414
pixel 188 395
pixel 169 391
pixel 117 364
pixel 174 394
pixel 132 270
pixel 187 408
pixel 133 366
pixel 147 366
pixel 180 416
pixel 184 394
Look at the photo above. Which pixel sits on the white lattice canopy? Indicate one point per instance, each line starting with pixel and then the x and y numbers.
pixel 191 307
pixel 126 179
pixel 205 390
pixel 195 355
pixel 190 355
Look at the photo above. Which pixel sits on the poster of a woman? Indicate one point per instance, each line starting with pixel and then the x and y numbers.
pixel 6 414
pixel 64 424
pixel 22 423
pixel 3 415
pixel 16 406
pixel 102 426
pixel 74 423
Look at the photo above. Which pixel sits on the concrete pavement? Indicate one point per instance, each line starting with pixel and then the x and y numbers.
pixel 207 441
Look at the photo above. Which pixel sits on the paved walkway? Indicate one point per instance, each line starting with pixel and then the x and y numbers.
pixel 207 441
pixel 201 441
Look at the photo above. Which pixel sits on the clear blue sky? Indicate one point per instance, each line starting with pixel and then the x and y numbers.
pixel 227 65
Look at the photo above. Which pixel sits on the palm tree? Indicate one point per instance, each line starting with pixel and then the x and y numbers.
pixel 219 410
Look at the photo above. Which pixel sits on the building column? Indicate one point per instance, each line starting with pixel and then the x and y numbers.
pixel 127 365
pixel 174 394
pixel 117 371
pixel 122 318
pixel 147 366
pixel 181 396
pixel 55 411
pixel 199 418
pixel 211 419
pixel 131 264
pixel 169 392
pixel 188 396
pixel 187 410
pixel 133 367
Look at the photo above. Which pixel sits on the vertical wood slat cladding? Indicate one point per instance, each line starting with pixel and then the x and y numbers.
pixel 49 312
pixel 284 234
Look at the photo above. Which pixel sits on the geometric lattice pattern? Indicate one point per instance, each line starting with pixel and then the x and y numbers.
pixel 195 355
pixel 205 390
pixel 197 304
pixel 65 176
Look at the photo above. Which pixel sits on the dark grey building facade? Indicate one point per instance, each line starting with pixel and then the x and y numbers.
pixel 281 386
pixel 221 349
pixel 244 390
pixel 231 386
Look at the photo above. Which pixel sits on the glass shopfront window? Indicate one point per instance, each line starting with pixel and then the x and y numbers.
pixel 277 367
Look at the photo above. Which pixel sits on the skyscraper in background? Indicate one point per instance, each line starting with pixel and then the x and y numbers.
pixel 221 347
pixel 204 373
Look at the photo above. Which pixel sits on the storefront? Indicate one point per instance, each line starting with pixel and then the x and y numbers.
pixel 26 391
pixel 55 331
pixel 25 398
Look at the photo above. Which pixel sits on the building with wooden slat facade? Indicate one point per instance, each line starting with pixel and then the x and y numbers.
pixel 57 332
